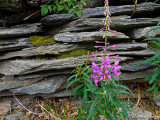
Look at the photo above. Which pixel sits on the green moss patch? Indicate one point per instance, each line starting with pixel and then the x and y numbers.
pixel 38 40
pixel 78 52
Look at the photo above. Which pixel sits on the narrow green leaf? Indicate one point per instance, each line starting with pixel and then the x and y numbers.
pixel 76 89
pixel 74 81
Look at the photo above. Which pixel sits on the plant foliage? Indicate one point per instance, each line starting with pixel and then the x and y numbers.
pixel 62 6
pixel 100 101
pixel 154 45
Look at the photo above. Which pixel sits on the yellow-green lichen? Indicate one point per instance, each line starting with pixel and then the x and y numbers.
pixel 78 52
pixel 38 40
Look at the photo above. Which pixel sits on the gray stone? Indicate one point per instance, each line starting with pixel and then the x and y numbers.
pixel 46 86
pixel 136 76
pixel 20 30
pixel 134 68
pixel 16 116
pixel 61 93
pixel 157 100
pixel 43 74
pixel 88 36
pixel 4 85
pixel 127 47
pixel 135 53
pixel 55 49
pixel 38 3
pixel 19 18
pixel 7 78
pixel 20 67
pixel 139 114
pixel 118 23
pixel 12 5
pixel 5 107
pixel 122 2
pixel 141 33
pixel 142 8
pixel 14 44
pixel 57 19
pixel 93 3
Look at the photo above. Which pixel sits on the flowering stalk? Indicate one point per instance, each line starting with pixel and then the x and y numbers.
pixel 101 103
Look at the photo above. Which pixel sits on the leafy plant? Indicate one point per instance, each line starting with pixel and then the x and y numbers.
pixel 154 78
pixel 101 98
pixel 62 6
pixel 81 80
pixel 101 101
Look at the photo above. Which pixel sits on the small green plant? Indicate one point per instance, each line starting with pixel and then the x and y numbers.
pixel 62 6
pixel 154 78
pixel 81 80
pixel 100 101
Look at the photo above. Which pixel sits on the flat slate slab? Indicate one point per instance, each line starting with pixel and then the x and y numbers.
pixel 20 30
pixel 55 49
pixel 128 47
pixel 134 68
pixel 10 84
pixel 138 76
pixel 12 5
pixel 141 53
pixel 56 19
pixel 142 33
pixel 121 10
pixel 118 23
pixel 88 36
pixel 46 86
pixel 14 44
pixel 20 67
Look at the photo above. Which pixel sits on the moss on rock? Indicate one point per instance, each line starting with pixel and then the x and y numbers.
pixel 78 52
pixel 38 40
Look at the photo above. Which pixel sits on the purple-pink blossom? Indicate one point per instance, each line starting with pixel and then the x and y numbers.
pixel 104 70
pixel 115 68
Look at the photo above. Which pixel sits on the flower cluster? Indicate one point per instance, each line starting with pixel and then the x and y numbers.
pixel 104 71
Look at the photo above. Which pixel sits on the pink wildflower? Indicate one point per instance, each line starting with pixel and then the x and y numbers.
pixel 116 67
pixel 106 63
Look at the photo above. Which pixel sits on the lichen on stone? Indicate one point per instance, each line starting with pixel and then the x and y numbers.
pixel 38 40
pixel 78 52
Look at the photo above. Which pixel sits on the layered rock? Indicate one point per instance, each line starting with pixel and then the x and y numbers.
pixel 55 49
pixel 143 33
pixel 88 36
pixel 119 23
pixel 19 67
pixel 48 85
pixel 14 44
pixel 142 8
pixel 12 5
pixel 20 30
pixel 40 71
pixel 19 18
pixel 56 19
